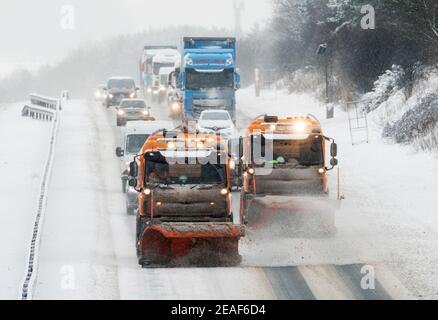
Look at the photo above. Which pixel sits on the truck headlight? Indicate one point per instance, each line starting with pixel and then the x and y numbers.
pixel 132 95
pixel 147 191
pixel 229 61
pixel 120 112
pixel 175 107
pixel 146 112
pixel 300 127
pixel 149 90
pixel 224 191
pixel 111 95
pixel 162 88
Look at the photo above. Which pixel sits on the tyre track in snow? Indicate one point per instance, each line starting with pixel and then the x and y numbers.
pixel 77 259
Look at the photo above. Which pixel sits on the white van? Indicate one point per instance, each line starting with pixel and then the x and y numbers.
pixel 135 135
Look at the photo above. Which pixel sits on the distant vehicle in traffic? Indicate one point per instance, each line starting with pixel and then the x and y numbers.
pixel 136 133
pixel 119 88
pixel 132 110
pixel 208 76
pixel 153 59
pixel 216 121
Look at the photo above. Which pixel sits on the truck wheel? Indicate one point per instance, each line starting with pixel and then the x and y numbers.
pixel 141 224
pixel 243 208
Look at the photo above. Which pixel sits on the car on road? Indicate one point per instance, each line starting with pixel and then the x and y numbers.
pixel 119 88
pixel 135 135
pixel 132 110
pixel 216 121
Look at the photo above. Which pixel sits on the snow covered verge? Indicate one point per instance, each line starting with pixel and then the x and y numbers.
pixel 407 109
pixel 24 145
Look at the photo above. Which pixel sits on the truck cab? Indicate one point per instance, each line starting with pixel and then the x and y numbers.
pixel 286 168
pixel 184 199
pixel 208 75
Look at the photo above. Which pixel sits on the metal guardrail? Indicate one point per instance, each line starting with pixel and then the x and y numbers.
pixel 41 108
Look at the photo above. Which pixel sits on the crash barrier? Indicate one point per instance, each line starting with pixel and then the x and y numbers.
pixel 357 121
pixel 41 108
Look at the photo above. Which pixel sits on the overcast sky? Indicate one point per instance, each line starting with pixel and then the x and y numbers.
pixel 31 32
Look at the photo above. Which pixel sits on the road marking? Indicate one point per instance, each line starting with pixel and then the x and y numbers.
pixel 325 283
pixel 288 283
pixel 392 284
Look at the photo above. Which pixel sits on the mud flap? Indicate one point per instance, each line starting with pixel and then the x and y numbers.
pixel 187 243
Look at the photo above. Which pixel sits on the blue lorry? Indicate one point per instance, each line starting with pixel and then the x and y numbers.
pixel 208 78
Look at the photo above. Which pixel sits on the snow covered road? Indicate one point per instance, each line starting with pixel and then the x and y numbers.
pixel 88 252
pixel 88 249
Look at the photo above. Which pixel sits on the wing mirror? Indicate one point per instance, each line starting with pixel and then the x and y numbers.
pixel 132 182
pixel 120 152
pixel 334 150
pixel 333 162
pixel 133 169
pixel 333 153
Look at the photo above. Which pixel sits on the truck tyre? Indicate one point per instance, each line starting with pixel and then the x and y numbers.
pixel 244 204
pixel 140 225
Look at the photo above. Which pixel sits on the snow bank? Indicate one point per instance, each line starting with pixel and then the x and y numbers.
pixel 407 111
pixel 24 146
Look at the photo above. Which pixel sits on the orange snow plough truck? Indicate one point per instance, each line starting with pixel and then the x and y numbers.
pixel 285 183
pixel 184 202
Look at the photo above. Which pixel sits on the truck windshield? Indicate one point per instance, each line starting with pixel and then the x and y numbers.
pixel 209 80
pixel 158 66
pixel 135 142
pixel 121 84
pixel 164 173
pixel 304 152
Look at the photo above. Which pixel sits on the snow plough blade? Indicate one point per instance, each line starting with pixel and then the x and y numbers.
pixel 208 244
pixel 301 216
